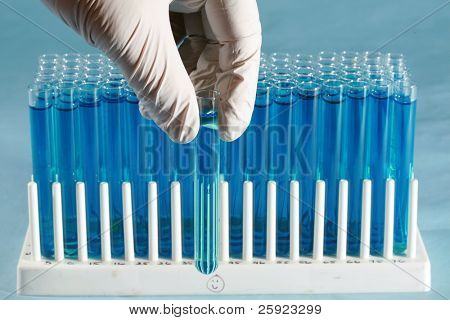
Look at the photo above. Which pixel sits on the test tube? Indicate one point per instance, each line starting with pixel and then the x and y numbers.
pixel 113 100
pixel 255 163
pixel 370 59
pixel 49 57
pixel 182 163
pixel 327 55
pixel 207 183
pixel 49 67
pixel 284 101
pixel 327 70
pixel 154 161
pixel 331 124
pixel 304 163
pixel 349 57
pixel 231 170
pixel 357 158
pixel 90 146
pixel 95 58
pixel 71 58
pixel 379 119
pixel 302 64
pixel 280 58
pixel 303 57
pixel 326 62
pixel 130 129
pixel 68 158
pixel 402 158
pixel 41 101
pixel 396 59
pixel 324 77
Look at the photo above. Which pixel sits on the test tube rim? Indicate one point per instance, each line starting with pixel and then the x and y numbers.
pixel 380 83
pixel 403 84
pixel 210 95
pixel 315 90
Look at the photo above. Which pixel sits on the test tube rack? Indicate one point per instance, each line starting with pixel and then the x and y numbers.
pixel 132 276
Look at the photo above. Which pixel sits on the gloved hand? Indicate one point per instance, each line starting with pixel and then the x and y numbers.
pixel 221 51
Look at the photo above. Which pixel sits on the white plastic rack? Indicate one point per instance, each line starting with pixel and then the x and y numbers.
pixel 273 275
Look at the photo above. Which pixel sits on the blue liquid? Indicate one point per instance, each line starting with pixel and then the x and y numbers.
pixel 68 165
pixel 255 169
pixel 41 124
pixel 358 167
pixel 182 160
pixel 153 166
pixel 379 114
pixel 304 152
pixel 331 115
pixel 90 114
pixel 279 119
pixel 113 101
pixel 164 189
pixel 130 126
pixel 206 194
pixel 232 172
pixel 402 161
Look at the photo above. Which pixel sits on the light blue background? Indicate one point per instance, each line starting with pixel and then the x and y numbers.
pixel 288 25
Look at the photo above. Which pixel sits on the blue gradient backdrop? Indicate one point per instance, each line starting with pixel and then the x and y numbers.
pixel 288 25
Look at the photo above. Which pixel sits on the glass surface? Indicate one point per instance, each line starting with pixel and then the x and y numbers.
pixel 231 170
pixel 41 104
pixel 255 163
pixel 284 101
pixel 303 163
pixel 402 159
pixel 330 146
pixel 380 116
pixel 207 184
pixel 90 109
pixel 182 163
pixel 357 158
pixel 68 160
pixel 113 101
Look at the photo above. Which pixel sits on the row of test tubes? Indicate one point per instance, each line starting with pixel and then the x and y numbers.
pixel 331 116
pixel 327 117
pixel 86 127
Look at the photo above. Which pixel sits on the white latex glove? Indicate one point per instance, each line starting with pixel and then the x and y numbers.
pixel 222 51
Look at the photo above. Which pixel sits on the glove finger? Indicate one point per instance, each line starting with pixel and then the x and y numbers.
pixel 167 94
pixel 236 27
pixel 205 74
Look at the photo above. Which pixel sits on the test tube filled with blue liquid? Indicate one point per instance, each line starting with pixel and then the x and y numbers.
pixel 357 157
pixel 153 155
pixel 90 147
pixel 379 119
pixel 402 159
pixel 231 171
pixel 284 101
pixel 303 161
pixel 41 97
pixel 331 114
pixel 255 163
pixel 182 162
pixel 207 183
pixel 130 127
pixel 113 100
pixel 68 158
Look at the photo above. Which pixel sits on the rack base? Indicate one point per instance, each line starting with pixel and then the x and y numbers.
pixel 140 278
